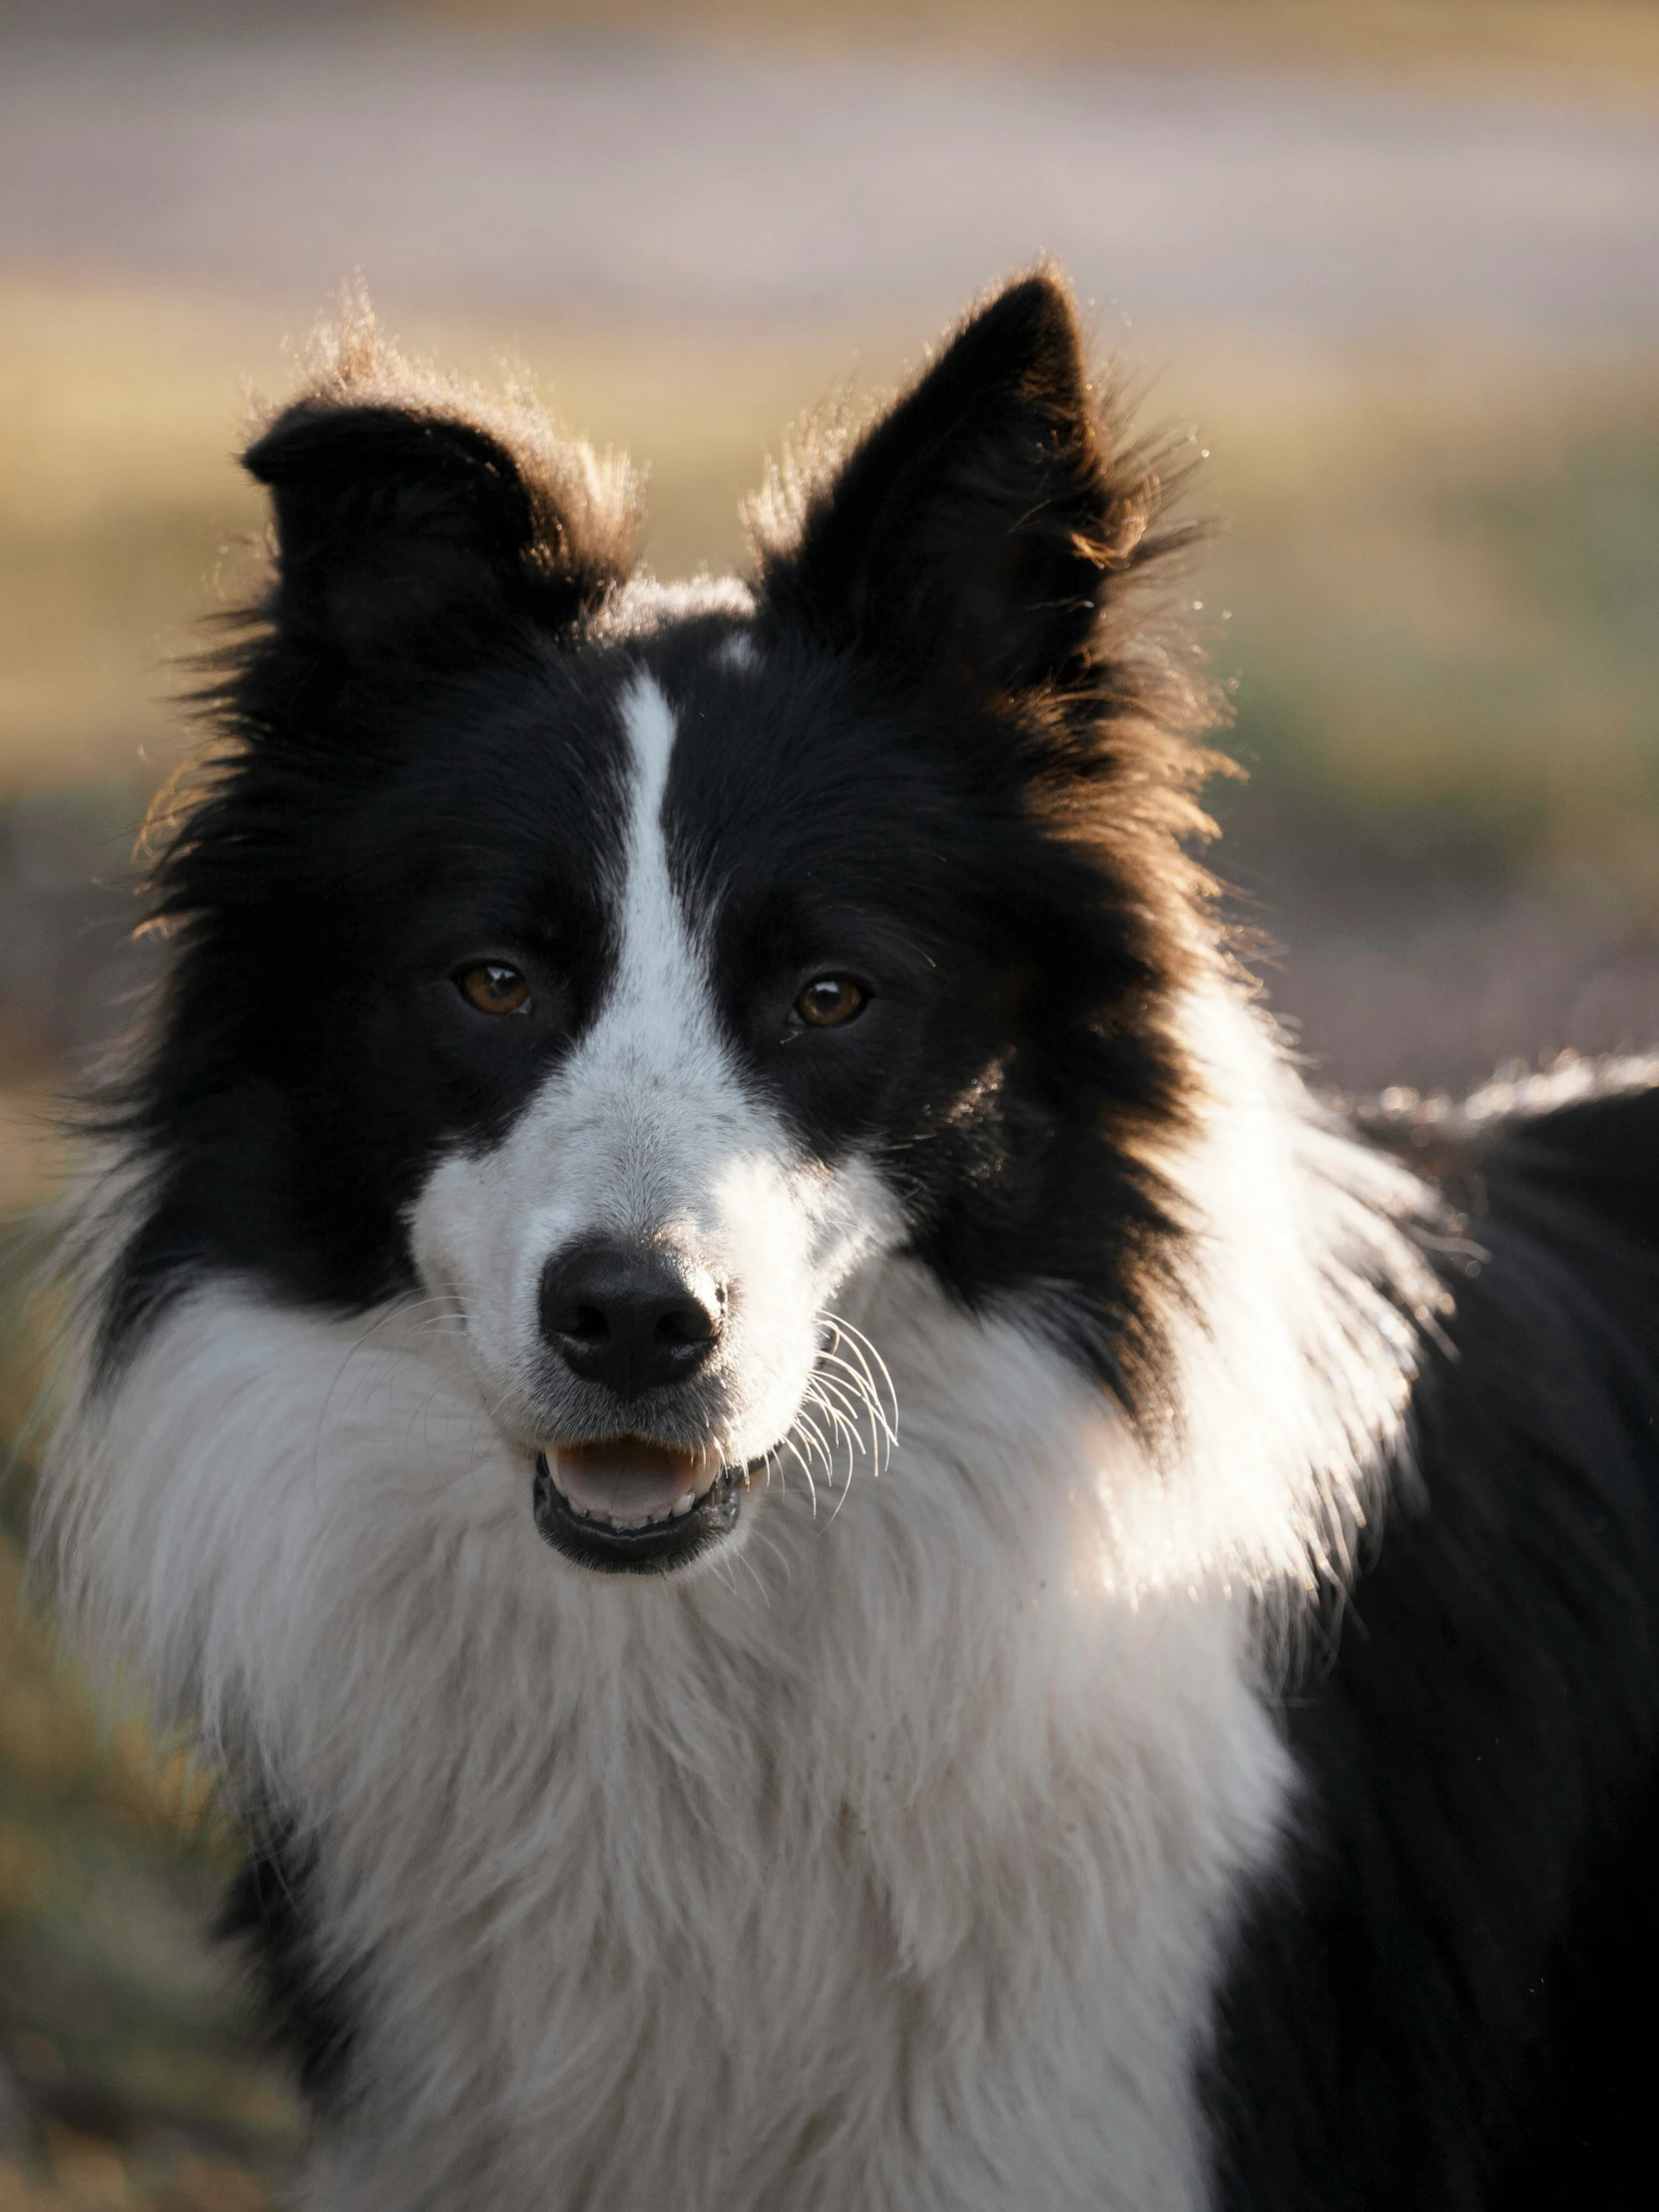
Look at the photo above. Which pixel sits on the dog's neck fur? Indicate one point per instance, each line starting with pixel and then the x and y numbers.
pixel 610 1853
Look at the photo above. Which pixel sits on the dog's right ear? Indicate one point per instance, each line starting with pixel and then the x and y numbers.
pixel 406 537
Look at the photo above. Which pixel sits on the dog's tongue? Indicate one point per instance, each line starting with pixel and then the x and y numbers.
pixel 623 1478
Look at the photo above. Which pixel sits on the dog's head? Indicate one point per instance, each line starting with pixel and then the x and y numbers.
pixel 626 971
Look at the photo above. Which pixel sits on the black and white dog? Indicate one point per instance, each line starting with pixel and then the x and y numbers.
pixel 841 1555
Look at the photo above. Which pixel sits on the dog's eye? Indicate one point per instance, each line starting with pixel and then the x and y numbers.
pixel 494 987
pixel 829 1000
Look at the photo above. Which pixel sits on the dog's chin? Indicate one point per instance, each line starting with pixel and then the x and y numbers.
pixel 624 1505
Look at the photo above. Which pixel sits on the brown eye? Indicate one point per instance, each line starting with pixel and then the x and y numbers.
pixel 829 1000
pixel 494 988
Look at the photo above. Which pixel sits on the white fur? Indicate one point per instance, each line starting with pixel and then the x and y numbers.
pixel 1296 1326
pixel 886 1865
pixel 737 654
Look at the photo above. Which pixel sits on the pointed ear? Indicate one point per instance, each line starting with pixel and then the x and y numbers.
pixel 971 528
pixel 404 534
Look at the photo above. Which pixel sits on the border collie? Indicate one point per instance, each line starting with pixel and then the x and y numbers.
pixel 841 1554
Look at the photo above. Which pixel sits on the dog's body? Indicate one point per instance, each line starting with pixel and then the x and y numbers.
pixel 625 1054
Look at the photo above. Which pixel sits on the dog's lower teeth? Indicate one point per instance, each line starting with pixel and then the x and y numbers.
pixel 600 1514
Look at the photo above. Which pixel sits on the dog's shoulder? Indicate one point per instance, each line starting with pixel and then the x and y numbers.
pixel 1476 1730
pixel 1583 1133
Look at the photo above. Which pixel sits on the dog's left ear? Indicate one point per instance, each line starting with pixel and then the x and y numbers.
pixel 970 529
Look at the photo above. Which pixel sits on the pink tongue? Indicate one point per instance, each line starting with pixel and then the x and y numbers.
pixel 623 1478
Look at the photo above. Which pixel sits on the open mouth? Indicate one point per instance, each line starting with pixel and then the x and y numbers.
pixel 626 1505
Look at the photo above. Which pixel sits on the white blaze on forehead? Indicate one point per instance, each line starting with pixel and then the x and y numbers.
pixel 631 1129
pixel 658 960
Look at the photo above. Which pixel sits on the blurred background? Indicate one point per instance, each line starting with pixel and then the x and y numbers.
pixel 1390 267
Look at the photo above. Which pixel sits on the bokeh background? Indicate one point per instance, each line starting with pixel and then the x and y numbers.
pixel 1391 268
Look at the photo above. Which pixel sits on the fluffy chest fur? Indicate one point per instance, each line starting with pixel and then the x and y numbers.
pixel 888 1868
pixel 897 1861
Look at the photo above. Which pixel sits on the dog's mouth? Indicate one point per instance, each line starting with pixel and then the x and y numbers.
pixel 626 1505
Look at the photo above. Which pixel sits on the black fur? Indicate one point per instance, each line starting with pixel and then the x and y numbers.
pixel 1447 2000
pixel 309 2002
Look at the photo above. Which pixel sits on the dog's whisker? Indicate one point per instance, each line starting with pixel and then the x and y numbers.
pixel 845 1377
pixel 847 1429
pixel 884 1395
pixel 846 1437
pixel 844 1402
pixel 854 1391
pixel 804 1423
pixel 845 1433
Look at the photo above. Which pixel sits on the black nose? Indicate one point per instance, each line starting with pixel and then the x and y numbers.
pixel 629 1316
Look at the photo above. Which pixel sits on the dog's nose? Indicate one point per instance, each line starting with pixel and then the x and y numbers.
pixel 631 1317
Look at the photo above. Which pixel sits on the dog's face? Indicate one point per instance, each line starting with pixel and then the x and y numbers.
pixel 623 971
pixel 689 1012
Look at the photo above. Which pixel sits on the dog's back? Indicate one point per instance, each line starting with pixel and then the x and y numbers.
pixel 1450 2000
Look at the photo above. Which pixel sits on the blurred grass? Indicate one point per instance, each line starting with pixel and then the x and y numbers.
pixel 129 2073
pixel 1444 582
pixel 1613 43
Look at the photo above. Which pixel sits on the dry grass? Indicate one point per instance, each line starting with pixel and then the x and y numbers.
pixel 126 2079
pixel 126 2075
pixel 115 498
pixel 1444 574
pixel 1612 46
